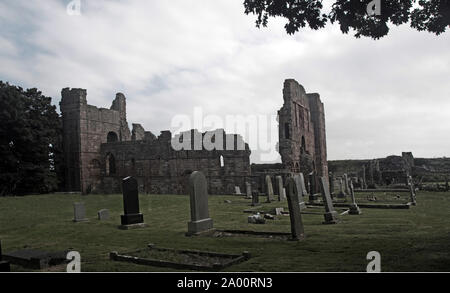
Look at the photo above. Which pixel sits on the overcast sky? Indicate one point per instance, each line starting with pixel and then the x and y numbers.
pixel 381 97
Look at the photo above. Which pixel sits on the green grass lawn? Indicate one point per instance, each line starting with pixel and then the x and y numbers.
pixel 417 239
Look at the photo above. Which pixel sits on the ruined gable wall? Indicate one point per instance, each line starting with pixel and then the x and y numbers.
pixel 302 140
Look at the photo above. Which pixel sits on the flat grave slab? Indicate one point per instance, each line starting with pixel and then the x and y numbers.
pixel 180 259
pixel 35 259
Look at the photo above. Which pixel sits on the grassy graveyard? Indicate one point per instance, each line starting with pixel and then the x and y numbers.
pixel 415 239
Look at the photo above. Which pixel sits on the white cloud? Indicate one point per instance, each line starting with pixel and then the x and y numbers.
pixel 381 97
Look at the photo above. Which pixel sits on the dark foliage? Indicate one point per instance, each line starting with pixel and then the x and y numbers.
pixel 432 15
pixel 30 141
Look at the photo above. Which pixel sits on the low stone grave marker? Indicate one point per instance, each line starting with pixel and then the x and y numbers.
pixel 103 214
pixel 79 212
pixel 248 190
pixel 256 219
pixel 35 259
pixel 180 259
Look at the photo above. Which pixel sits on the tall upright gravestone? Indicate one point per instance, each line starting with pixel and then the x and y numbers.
pixel 297 229
pixel 131 218
pixel 354 209
pixel 330 214
pixel 248 190
pixel 300 190
pixel 269 188
pixel 200 220
pixel 4 265
pixel 281 194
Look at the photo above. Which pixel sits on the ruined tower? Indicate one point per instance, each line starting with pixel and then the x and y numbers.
pixel 85 128
pixel 302 139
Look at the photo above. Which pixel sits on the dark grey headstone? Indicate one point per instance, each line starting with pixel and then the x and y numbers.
pixel 255 198
pixel 35 259
pixel 200 220
pixel 280 188
pixel 79 212
pixel 295 216
pixel 412 192
pixel 103 214
pixel 131 215
pixel 330 214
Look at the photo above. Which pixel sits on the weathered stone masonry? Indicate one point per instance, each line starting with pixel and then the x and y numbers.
pixel 100 149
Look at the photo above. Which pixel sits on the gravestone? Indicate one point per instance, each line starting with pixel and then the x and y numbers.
pixel 255 198
pixel 200 220
pixel 341 193
pixel 346 187
pixel 279 211
pixel 331 182
pixel 4 265
pixel 103 214
pixel 312 187
pixel 79 212
pixel 330 214
pixel 269 189
pixel 280 187
pixel 237 190
pixel 131 218
pixel 412 192
pixel 354 209
pixel 297 230
pixel 248 190
pixel 302 183
pixel 300 186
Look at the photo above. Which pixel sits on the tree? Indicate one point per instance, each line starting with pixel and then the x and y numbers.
pixel 30 131
pixel 432 16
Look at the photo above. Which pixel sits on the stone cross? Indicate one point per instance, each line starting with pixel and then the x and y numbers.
pixel 297 230
pixel 79 211
pixel 131 214
pixel 200 220
pixel 280 187
pixel 269 188
pixel 330 214
pixel 300 190
pixel 354 209
pixel 248 189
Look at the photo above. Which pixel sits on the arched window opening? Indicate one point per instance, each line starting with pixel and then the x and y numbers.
pixel 112 137
pixel 303 143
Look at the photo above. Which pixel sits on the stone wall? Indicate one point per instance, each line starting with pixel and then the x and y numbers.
pixel 160 169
